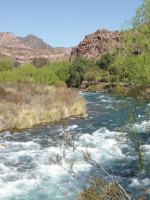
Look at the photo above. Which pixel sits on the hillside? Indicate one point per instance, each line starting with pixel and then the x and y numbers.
pixel 94 45
pixel 25 49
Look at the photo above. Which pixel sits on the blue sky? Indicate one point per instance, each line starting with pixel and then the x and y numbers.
pixel 64 22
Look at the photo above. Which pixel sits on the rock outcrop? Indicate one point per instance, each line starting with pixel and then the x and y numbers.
pixel 66 50
pixel 34 42
pixel 25 49
pixel 96 44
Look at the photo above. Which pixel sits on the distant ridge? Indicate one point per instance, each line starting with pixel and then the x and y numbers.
pixel 24 49
pixel 34 42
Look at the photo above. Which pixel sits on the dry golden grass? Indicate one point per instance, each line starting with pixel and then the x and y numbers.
pixel 39 104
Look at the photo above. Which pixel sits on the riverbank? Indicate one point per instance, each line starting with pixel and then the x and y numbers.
pixel 105 87
pixel 25 105
pixel 124 89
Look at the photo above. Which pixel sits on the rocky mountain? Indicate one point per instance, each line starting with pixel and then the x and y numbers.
pixel 96 44
pixel 25 49
pixel 34 42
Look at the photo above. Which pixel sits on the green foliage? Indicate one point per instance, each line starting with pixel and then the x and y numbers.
pixel 132 62
pixel 5 64
pixel 134 69
pixel 78 68
pixel 105 61
pixel 45 75
pixel 97 76
pixel 8 76
pixel 40 62
pixel 90 76
pixel 21 74
pixel 60 84
pixel 25 72
pixel 55 74
pixel 100 190
pixel 16 64
pixel 61 69
pixel 142 14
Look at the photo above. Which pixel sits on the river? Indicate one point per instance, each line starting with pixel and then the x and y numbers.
pixel 28 167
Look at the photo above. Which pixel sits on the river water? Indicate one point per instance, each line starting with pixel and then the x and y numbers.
pixel 28 166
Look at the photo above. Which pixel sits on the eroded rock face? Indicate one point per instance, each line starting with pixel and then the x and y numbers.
pixel 25 49
pixel 96 44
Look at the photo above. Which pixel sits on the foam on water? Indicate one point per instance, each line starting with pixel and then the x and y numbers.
pixel 138 183
pixel 37 164
pixel 73 127
pixel 29 167
pixel 143 126
pixel 103 143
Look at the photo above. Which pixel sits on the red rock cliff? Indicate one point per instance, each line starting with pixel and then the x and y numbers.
pixel 94 45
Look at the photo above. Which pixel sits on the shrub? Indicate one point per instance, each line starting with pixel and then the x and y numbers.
pixel 5 64
pixel 101 190
pixel 40 62
pixel 90 76
pixel 16 64
pixel 14 97
pixel 105 61
pixel 60 84
pixel 78 68
pixel 45 75
pixel 61 69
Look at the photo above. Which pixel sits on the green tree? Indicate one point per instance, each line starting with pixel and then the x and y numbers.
pixel 132 62
pixel 105 61
pixel 16 64
pixel 61 69
pixel 26 72
pixel 78 68
pixel 40 62
pixel 45 75
pixel 5 64
pixel 90 76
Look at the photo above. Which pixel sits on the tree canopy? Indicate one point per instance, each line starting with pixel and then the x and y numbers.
pixel 5 64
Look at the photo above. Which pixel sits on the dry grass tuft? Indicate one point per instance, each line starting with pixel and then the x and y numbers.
pixel 26 105
pixel 14 97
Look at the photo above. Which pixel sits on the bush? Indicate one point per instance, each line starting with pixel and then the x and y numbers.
pixel 45 75
pixel 14 97
pixel 61 69
pixel 5 64
pixel 16 64
pixel 100 190
pixel 78 68
pixel 60 84
pixel 40 62
pixel 105 61
pixel 90 76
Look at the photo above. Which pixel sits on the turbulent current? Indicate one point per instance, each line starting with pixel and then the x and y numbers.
pixel 29 168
